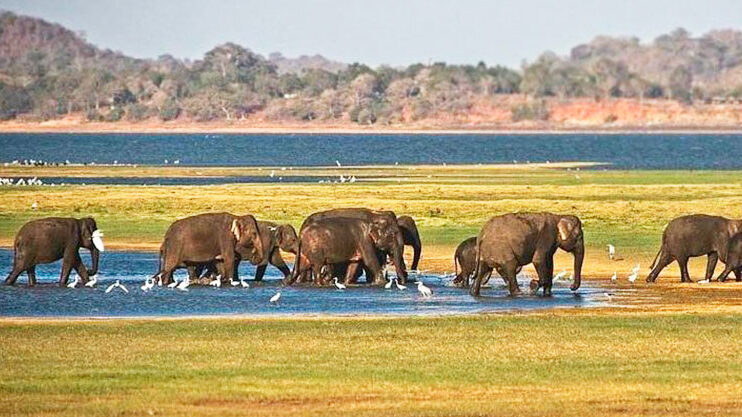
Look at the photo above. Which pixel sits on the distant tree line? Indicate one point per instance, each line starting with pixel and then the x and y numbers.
pixel 47 71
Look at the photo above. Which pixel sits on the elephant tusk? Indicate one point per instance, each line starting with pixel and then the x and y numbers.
pixel 98 241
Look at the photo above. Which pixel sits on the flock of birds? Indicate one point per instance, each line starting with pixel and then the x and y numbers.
pixel 150 284
pixel 21 182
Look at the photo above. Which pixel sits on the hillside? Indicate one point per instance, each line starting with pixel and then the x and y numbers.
pixel 51 75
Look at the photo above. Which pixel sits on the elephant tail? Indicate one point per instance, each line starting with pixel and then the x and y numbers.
pixel 656 257
pixel 456 268
pixel 477 265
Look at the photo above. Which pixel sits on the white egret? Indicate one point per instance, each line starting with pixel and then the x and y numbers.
pixel 93 281
pixel 234 283
pixel 183 286
pixel 399 286
pixel 633 276
pixel 614 278
pixel 173 284
pixel 339 285
pixel 217 282
pixel 338 163
pixel 705 281
pixel 388 285
pixel 116 284
pixel 74 283
pixel 611 251
pixel 149 283
pixel 276 297
pixel 34 206
pixel 159 281
pixel 424 291
pixel 244 284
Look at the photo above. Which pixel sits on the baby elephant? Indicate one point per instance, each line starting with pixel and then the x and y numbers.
pixel 734 258
pixel 465 262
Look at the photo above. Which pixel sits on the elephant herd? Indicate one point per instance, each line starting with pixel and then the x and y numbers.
pixel 349 242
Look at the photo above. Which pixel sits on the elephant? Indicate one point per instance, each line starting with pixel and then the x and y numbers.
pixel 207 238
pixel 512 240
pixel 734 258
pixel 695 235
pixel 411 237
pixel 385 219
pixel 274 238
pixel 465 261
pixel 326 242
pixel 47 240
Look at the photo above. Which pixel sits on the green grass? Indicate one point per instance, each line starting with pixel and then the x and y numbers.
pixel 540 364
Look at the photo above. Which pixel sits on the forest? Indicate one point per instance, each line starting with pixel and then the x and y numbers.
pixel 49 72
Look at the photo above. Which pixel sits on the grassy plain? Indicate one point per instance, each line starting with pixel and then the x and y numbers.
pixel 665 349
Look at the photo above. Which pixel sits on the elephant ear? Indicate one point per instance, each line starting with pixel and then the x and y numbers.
pixel 565 227
pixel 236 229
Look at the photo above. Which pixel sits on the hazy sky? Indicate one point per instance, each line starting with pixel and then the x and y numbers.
pixel 396 32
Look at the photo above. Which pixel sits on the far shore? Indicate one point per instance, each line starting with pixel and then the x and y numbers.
pixel 244 127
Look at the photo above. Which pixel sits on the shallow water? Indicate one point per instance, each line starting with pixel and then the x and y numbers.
pixel 47 299
pixel 625 151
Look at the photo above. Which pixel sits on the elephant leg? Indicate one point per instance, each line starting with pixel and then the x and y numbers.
pixel 371 261
pixel 260 271
pixel 229 264
pixel 508 272
pixel 80 268
pixel 738 274
pixel 194 272
pixel 479 275
pixel 67 262
pixel 13 276
pixel 31 272
pixel 351 273
pixel 318 274
pixel 713 257
pixel 278 262
pixel 684 275
pixel 663 260
pixel 545 271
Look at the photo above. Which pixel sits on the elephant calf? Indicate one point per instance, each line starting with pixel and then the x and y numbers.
pixel 734 258
pixel 274 238
pixel 465 262
pixel 48 240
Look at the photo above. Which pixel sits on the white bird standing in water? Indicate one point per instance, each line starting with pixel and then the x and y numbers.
pixel 614 277
pixel 173 284
pixel 74 283
pixel 217 282
pixel 93 281
pixel 159 281
pixel 388 285
pixel 560 275
pixel 611 251
pixel 399 286
pixel 276 297
pixel 183 286
pixel 338 163
pixel 244 283
pixel 234 283
pixel 116 284
pixel 339 285
pixel 149 283
pixel 424 291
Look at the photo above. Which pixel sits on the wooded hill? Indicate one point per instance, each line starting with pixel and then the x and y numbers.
pixel 48 72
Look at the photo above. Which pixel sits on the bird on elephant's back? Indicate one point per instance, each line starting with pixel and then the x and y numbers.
pixel 50 239
pixel 510 241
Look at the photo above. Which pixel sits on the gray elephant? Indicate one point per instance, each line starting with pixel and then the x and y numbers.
pixel 734 258
pixel 47 240
pixel 382 218
pixel 332 241
pixel 695 235
pixel 206 238
pixel 274 237
pixel 510 241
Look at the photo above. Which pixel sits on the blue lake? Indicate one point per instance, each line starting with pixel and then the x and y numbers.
pixel 47 299
pixel 624 151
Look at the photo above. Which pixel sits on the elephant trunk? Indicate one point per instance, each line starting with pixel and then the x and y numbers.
pixel 417 249
pixel 398 260
pixel 579 254
pixel 95 255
